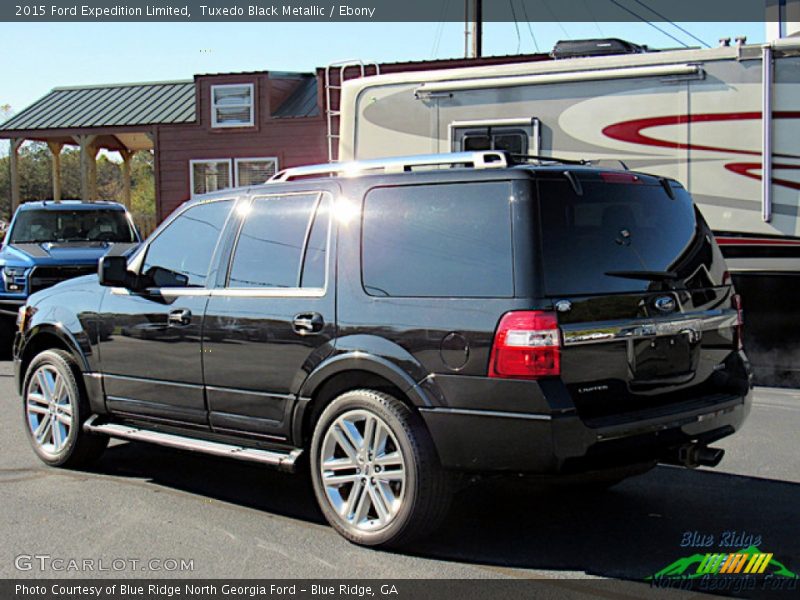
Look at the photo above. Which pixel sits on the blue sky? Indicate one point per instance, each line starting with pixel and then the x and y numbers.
pixel 40 56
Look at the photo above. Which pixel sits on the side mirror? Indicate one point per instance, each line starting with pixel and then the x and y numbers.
pixel 160 277
pixel 112 271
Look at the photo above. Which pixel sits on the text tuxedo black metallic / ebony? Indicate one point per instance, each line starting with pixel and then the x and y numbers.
pixel 401 326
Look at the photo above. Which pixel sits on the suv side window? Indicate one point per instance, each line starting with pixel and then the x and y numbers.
pixel 283 243
pixel 187 244
pixel 446 240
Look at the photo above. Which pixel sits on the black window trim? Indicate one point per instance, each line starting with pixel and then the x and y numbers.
pixel 278 292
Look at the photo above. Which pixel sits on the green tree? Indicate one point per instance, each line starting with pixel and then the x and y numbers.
pixel 36 183
pixel 143 188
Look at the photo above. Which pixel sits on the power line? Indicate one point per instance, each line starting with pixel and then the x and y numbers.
pixel 673 23
pixel 530 29
pixel 439 30
pixel 516 25
pixel 643 20
pixel 552 14
pixel 589 10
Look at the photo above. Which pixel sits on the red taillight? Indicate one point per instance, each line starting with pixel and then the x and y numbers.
pixel 736 302
pixel 527 345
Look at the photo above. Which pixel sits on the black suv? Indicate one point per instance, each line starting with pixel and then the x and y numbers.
pixel 396 324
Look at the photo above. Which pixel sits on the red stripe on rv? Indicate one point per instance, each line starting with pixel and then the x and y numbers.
pixel 631 131
pixel 747 169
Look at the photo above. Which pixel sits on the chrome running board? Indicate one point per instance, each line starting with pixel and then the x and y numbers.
pixel 282 460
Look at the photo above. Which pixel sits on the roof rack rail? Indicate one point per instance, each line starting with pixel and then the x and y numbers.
pixel 552 159
pixel 488 159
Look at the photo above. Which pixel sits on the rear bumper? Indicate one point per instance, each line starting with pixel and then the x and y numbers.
pixel 561 442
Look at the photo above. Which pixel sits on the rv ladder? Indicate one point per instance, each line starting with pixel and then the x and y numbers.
pixel 333 93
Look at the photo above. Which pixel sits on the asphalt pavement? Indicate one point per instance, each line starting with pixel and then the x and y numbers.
pixel 146 511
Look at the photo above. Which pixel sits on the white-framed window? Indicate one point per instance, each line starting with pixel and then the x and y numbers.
pixel 210 175
pixel 232 105
pixel 514 135
pixel 254 171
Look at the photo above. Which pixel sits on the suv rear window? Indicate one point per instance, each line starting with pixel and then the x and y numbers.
pixel 445 240
pixel 612 227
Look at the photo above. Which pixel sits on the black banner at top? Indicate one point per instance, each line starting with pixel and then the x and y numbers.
pixel 398 10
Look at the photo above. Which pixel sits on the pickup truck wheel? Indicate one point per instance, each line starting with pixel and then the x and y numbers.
pixel 375 470
pixel 55 408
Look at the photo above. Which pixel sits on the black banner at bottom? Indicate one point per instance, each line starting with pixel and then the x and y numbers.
pixel 382 589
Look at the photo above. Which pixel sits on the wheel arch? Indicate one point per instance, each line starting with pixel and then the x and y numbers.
pixel 350 371
pixel 46 337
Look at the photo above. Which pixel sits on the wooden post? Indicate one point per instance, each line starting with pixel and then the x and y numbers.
pixel 55 150
pixel 88 166
pixel 127 156
pixel 93 172
pixel 13 157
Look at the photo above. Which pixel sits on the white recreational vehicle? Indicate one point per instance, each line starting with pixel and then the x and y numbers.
pixel 725 122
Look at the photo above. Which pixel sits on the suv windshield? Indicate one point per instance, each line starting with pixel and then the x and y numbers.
pixel 618 237
pixel 71 226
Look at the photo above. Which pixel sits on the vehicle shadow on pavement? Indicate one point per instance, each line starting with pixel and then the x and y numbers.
pixel 630 531
pixel 244 484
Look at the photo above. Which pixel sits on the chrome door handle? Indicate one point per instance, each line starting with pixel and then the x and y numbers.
pixel 180 317
pixel 308 323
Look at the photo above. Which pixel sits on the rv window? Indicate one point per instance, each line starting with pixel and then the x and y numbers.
pixel 516 143
pixel 477 142
pixel 510 139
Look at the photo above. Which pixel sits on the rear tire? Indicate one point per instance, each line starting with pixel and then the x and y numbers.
pixel 375 470
pixel 54 408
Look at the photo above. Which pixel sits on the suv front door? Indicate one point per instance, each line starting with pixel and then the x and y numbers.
pixel 151 356
pixel 272 317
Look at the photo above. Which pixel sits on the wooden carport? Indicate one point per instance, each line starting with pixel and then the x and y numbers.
pixel 118 118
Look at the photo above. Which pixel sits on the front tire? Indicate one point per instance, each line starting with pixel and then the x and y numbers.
pixel 55 408
pixel 375 470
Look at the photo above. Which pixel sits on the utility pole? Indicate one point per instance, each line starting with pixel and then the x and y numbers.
pixel 473 25
pixel 466 28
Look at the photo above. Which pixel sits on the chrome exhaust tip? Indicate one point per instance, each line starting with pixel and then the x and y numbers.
pixel 694 455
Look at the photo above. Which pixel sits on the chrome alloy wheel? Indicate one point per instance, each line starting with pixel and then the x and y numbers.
pixel 50 410
pixel 362 470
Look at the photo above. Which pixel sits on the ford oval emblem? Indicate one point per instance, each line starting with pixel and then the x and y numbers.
pixel 664 304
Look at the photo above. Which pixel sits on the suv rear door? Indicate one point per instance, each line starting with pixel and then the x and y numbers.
pixel 644 304
pixel 272 315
